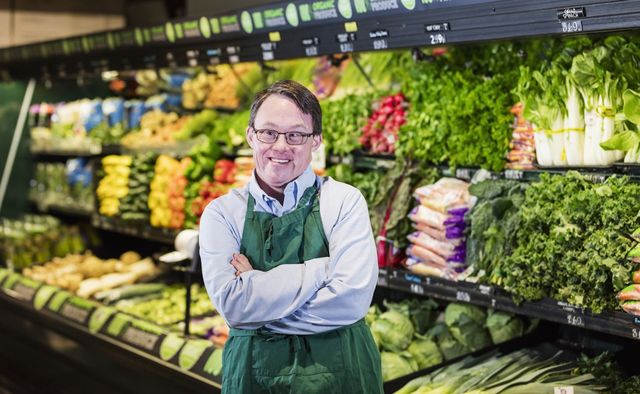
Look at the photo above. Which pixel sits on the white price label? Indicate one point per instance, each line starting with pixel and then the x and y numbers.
pixel 311 51
pixel 346 47
pixel 437 39
pixel 575 320
pixel 140 338
pixel 416 289
pixel 74 313
pixel 267 56
pixel 463 173
pixel 635 333
pixel 24 292
pixel 515 175
pixel 380 44
pixel 463 296
pixel 571 26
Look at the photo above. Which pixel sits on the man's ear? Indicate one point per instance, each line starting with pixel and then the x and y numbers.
pixel 316 141
pixel 250 137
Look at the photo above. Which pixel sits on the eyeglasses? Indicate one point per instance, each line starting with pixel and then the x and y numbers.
pixel 268 136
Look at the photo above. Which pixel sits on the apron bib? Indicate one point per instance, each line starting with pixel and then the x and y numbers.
pixel 345 360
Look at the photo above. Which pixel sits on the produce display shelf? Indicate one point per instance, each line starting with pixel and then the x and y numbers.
pixel 23 301
pixel 136 229
pixel 364 161
pixel 67 210
pixel 301 31
pixel 62 154
pixel 614 323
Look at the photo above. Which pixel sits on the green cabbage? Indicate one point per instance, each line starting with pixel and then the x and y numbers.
pixel 504 326
pixel 394 330
pixel 423 313
pixel 372 314
pixel 466 323
pixel 395 365
pixel 447 344
pixel 426 353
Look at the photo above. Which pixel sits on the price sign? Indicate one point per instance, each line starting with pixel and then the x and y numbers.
pixel 77 310
pixel 635 333
pixel 140 338
pixel 463 296
pixel 24 292
pixel 575 320
pixel 380 44
pixel 437 27
pixel 486 290
pixel 571 26
pixel 311 46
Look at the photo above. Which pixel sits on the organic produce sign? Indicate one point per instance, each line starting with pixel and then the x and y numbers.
pixel 99 318
pixel 21 288
pixel 138 333
pixel 78 310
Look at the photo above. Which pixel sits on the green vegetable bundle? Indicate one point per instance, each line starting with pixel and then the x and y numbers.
pixel 569 243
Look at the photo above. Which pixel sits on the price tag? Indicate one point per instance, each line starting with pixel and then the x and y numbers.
pixel 234 59
pixel 463 173
pixel 463 296
pixel 77 310
pixel 571 13
pixel 21 288
pixel 380 44
pixel 416 289
pixel 563 390
pixel 486 290
pixel 24 292
pixel 140 338
pixel 515 175
pixel 575 320
pixel 437 39
pixel 571 26
pixel 635 333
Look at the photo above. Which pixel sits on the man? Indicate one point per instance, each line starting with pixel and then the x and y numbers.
pixel 290 262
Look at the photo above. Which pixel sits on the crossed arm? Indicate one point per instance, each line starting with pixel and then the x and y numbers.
pixel 321 293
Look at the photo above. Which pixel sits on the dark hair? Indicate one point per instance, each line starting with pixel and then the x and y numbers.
pixel 304 99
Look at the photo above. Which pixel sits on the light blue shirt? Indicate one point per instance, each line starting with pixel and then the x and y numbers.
pixel 315 296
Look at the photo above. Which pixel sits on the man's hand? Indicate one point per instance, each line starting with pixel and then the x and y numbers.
pixel 241 263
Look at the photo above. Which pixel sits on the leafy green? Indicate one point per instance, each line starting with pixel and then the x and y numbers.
pixel 395 365
pixel 504 326
pixel 342 120
pixel 466 323
pixel 422 313
pixel 394 329
pixel 426 353
pixel 201 123
pixel 568 243
pixel 448 345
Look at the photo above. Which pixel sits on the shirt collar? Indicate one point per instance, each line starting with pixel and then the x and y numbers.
pixel 292 193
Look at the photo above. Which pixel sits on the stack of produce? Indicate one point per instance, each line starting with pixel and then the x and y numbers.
pixel 86 274
pixel 341 122
pixel 157 128
pixel 60 184
pixel 134 205
pixel 380 134
pixel 115 183
pixel 629 297
pixel 201 123
pixel 243 170
pixel 523 371
pixel 169 306
pixel 523 149
pixel 166 200
pixel 215 90
pixel 175 191
pixel 207 192
pixel 413 336
pixel 36 239
pixel 566 230
pixel 438 246
pixel 577 104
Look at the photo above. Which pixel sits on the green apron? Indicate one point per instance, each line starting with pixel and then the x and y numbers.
pixel 345 360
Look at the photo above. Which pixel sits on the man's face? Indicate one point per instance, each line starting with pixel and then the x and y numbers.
pixel 279 163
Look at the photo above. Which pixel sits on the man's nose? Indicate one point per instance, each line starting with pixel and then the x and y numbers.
pixel 281 142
